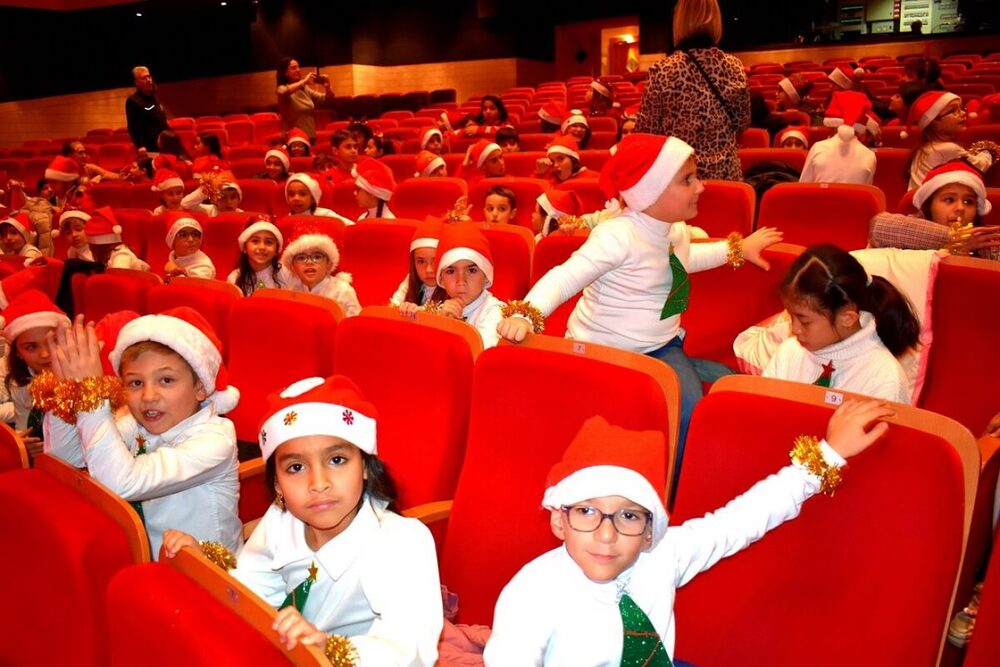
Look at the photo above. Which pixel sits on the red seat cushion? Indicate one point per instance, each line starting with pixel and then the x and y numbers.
pixel 377 255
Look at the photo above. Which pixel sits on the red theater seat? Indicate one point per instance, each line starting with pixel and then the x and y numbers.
pixel 135 224
pixel 811 213
pixel 588 189
pixel 522 164
pixel 552 251
pixel 725 207
pixel 419 197
pixel 340 198
pixel 117 289
pixel 13 455
pixel 116 194
pixel 891 173
pixel 511 247
pixel 212 298
pixel 886 546
pixel 377 254
pixel 259 194
pixel 755 137
pixel 403 166
pixel 220 241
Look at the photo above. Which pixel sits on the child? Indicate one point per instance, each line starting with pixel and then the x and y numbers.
pixel 345 155
pixel 900 103
pixel 633 268
pixel 172 155
pixel 561 162
pixel 950 204
pixel 260 246
pixel 97 238
pixel 171 188
pixel 298 143
pixel 186 257
pixel 484 159
pixel 507 139
pixel 606 595
pixel 464 272
pixel 207 155
pixel 941 118
pixel 419 285
pixel 491 117
pixel 379 145
pixel 792 90
pixel 501 206
pixel 556 211
pixel 842 158
pixel 276 165
pixel 223 194
pixel 171 455
pixel 16 234
pixel 27 322
pixel 792 137
pixel 551 116
pixel 347 573
pixel 575 125
pixel 602 100
pixel 847 328
pixel 303 192
pixel 313 258
pixel 432 140
pixel 73 223
pixel 429 165
pixel 375 184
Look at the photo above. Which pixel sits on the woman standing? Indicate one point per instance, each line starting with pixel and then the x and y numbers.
pixel 297 98
pixel 698 93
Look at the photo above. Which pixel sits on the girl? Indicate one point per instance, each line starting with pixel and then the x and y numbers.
pixel 428 164
pixel 260 246
pixel 313 258
pixel 847 328
pixel 170 454
pixel 602 100
pixel 492 115
pixel 432 140
pixel 940 118
pixel 345 155
pixel 171 188
pixel 576 126
pixel 172 155
pixel 276 165
pixel 97 238
pixel 792 137
pixel 464 273
pixel 417 287
pixel 561 162
pixel 221 191
pixel 379 145
pixel 508 140
pixel 633 268
pixel 186 258
pixel 500 207
pixel 949 203
pixel 298 143
pixel 16 235
pixel 792 91
pixel 550 116
pixel 556 211
pixel 27 322
pixel 207 155
pixel 375 184
pixel 484 159
pixel 347 573
pixel 302 192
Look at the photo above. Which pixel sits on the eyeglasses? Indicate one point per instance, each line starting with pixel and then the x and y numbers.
pixel 314 258
pixel 587 519
pixel 189 234
pixel 952 112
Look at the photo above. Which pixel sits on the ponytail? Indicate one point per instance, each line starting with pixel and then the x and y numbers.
pixel 379 208
pixel 895 322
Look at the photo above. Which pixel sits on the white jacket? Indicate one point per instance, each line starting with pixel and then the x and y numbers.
pixel 197 264
pixel 337 288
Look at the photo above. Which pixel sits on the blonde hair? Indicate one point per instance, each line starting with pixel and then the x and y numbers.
pixel 697 17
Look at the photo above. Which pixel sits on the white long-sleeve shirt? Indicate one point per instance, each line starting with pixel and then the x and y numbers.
pixel 484 315
pixel 552 614
pixel 337 288
pixel 834 160
pixel 377 583
pixel 197 264
pixel 265 278
pixel 188 478
pixel 372 213
pixel 937 153
pixel 623 269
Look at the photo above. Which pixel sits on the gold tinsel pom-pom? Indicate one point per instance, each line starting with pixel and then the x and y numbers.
pixel 432 307
pixel 807 453
pixel 213 181
pixel 218 554
pixel 340 651
pixel 525 309
pixel 989 146
pixel 958 233
pixel 67 398
pixel 734 253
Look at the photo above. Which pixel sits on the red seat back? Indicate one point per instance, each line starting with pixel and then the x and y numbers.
pixel 594 159
pixel 135 224
pixel 117 289
pixel 895 546
pixel 550 252
pixel 588 189
pixel 522 164
pixel 811 213
pixel 511 247
pixel 259 194
pixel 891 173
pixel 377 255
pixel 115 156
pixel 13 455
pixel 403 165
pixel 212 298
pixel 419 197
pixel 240 132
pixel 341 199
pixel 116 194
pixel 755 137
pixel 221 241
pixel 724 207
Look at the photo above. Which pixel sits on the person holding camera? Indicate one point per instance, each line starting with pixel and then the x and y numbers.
pixel 298 96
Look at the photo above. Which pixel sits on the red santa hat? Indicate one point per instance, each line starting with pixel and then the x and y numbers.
pixel 333 407
pixel 642 167
pixel 166 179
pixel 575 117
pixel 185 331
pixel 602 86
pixel 873 125
pixel 427 234
pixel 179 221
pixel 260 226
pixel 792 132
pixel 63 169
pixel 847 112
pixel 790 89
pixel 843 76
pixel 956 171
pixel 102 226
pixel 72 214
pixel 232 185
pixel 558 204
pixel 281 155
pixel 311 184
pixel 107 330
pixel 297 136
pixel 605 460
pixel 374 177
pixel 462 240
pixel 28 278
pixel 552 112
pixel 427 133
pixel 310 235
pixel 479 152
pixel 565 144
pixel 427 163
pixel 22 223
pixel 28 310
pixel 926 108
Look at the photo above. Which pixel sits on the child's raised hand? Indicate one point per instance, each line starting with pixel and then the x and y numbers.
pixel 292 629
pixel 848 433
pixel 452 308
pixel 174 541
pixel 409 310
pixel 980 238
pixel 75 351
pixel 514 329
pixel 542 165
pixel 753 245
pixel 32 444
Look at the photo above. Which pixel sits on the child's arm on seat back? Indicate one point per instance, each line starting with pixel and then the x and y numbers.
pixel 699 544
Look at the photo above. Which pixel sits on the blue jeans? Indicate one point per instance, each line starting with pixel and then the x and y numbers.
pixel 672 354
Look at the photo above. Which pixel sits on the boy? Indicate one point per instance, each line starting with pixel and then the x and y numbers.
pixel 186 257
pixel 312 255
pixel 614 578
pixel 500 207
pixel 171 455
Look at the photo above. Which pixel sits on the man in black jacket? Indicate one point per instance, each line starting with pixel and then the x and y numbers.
pixel 144 114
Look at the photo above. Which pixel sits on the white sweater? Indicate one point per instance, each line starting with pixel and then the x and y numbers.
pixel 197 264
pixel 372 214
pixel 939 152
pixel 484 315
pixel 623 269
pixel 834 160
pixel 337 288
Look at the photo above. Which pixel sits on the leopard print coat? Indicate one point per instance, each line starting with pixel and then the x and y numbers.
pixel 678 102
